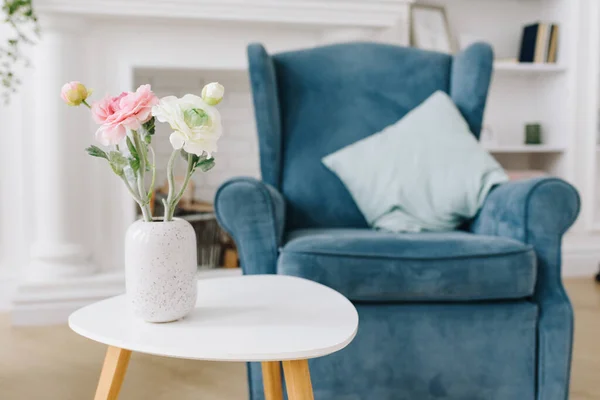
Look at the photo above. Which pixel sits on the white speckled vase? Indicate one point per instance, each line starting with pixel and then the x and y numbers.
pixel 160 269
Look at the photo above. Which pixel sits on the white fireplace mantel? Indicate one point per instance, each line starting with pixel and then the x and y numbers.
pixel 359 13
pixel 75 254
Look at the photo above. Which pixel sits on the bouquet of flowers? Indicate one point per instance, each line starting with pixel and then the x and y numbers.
pixel 126 127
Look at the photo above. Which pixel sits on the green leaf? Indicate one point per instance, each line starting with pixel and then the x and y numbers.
pixel 150 127
pixel 184 154
pixel 195 158
pixel 148 139
pixel 134 163
pixel 206 164
pixel 96 151
pixel 132 149
pixel 117 162
pixel 134 160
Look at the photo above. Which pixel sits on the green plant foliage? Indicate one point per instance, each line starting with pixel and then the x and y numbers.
pixel 96 151
pixel 117 162
pixel 21 17
pixel 134 160
pixel 205 165
pixel 203 162
pixel 132 149
pixel 149 127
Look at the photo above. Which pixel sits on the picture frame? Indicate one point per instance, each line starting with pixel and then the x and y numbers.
pixel 430 29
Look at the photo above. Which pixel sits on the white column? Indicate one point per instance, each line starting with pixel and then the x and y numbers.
pixel 60 170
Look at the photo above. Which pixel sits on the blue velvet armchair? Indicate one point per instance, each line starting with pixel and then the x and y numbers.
pixel 477 313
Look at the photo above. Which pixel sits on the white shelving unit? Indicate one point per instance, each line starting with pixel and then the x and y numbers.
pixel 525 149
pixel 528 68
pixel 564 98
pixel 523 93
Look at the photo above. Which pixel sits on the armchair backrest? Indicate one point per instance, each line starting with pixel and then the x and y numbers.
pixel 311 103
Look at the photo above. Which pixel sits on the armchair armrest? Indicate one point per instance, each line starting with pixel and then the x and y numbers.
pixel 528 210
pixel 253 213
pixel 538 212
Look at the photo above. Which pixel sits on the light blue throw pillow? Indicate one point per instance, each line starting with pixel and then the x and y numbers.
pixel 426 172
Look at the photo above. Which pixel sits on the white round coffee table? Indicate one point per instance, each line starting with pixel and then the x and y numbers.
pixel 266 318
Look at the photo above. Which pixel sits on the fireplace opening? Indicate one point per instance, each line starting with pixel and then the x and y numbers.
pixel 237 155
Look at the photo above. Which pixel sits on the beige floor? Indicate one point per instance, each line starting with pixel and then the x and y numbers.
pixel 52 363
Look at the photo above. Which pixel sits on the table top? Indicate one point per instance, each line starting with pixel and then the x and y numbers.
pixel 245 318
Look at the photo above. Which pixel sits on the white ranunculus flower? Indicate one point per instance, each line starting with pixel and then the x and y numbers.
pixel 196 125
pixel 213 93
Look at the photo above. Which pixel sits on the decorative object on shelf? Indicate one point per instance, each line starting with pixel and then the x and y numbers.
pixel 539 43
pixel 231 259
pixel 430 29
pixel 533 133
pixel 208 233
pixel 160 253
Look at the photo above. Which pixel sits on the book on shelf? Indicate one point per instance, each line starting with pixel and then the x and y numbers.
pixel 539 43
pixel 553 44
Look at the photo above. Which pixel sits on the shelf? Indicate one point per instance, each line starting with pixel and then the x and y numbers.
pixel 530 68
pixel 205 216
pixel 524 149
pixel 207 273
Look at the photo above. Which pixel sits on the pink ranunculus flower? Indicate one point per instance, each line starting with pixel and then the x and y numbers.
pixel 129 110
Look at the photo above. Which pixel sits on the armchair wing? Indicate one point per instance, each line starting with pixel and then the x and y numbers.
pixel 469 82
pixel 253 213
pixel 538 212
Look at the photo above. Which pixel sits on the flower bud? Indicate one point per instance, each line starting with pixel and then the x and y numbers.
pixel 212 93
pixel 74 93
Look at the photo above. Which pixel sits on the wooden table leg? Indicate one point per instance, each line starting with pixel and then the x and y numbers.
pixel 271 372
pixel 113 373
pixel 297 380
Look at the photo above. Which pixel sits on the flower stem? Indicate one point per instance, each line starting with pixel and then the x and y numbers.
pixel 140 177
pixel 146 212
pixel 171 179
pixel 188 175
pixel 144 208
pixel 131 191
pixel 153 167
